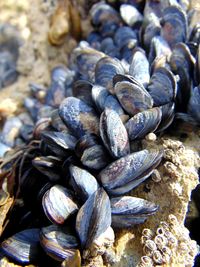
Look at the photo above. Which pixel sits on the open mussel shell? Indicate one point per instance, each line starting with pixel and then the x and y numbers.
pixel 93 218
pixel 58 243
pixel 105 69
pixel 114 134
pixel 174 25
pixel 126 173
pixel 143 123
pixel 82 90
pixel 194 104
pixel 128 211
pixel 78 116
pixel 139 67
pixel 60 143
pixel 133 96
pixel 103 99
pixel 22 247
pixel 58 204
pixel 83 183
pixel 49 166
pixel 162 86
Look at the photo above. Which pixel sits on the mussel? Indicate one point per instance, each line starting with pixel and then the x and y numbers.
pixel 58 204
pixel 59 243
pixel 114 134
pixel 126 173
pixel 128 211
pixel 23 247
pixel 78 116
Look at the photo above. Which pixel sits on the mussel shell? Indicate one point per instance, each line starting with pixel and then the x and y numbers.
pixel 139 67
pixel 82 90
pixel 114 134
pixel 57 123
pixel 194 104
pixel 143 123
pixel 86 141
pixel 125 36
pixel 86 59
pixel 41 126
pixel 195 32
pixel 105 69
pixel 22 247
pixel 84 184
pixel 93 218
pixel 58 243
pixel 168 112
pixel 55 94
pixel 101 13
pixel 103 99
pixel 49 166
pixel 130 15
pixel 128 211
pixel 60 143
pixel 58 204
pixel 78 116
pixel 95 157
pixel 174 25
pixel 10 131
pixel 182 63
pixel 126 173
pixel 133 96
pixel 62 74
pixel 31 184
pixel 162 86
pixel 149 30
pixel 159 47
pixel 94 39
pixel 3 149
pixel 109 48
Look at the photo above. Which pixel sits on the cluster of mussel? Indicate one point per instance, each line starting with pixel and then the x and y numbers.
pixel 139 67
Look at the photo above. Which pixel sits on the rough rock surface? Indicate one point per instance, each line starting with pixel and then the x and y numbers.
pixel 178 171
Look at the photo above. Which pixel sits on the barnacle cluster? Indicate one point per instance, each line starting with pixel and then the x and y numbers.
pixel 169 239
